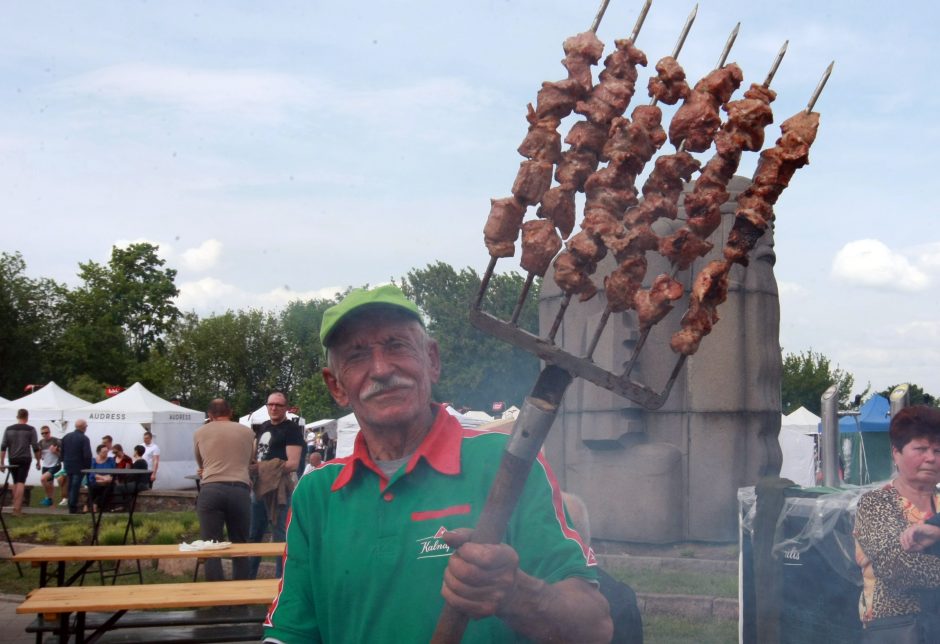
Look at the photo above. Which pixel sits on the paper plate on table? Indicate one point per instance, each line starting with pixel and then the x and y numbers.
pixel 199 545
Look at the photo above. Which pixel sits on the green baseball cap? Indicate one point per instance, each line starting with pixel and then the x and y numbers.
pixel 360 299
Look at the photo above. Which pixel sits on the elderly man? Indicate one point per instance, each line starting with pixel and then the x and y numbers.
pixel 224 450
pixel 20 443
pixel 385 529
pixel 76 456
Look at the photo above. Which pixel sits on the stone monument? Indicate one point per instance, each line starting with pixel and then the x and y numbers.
pixel 672 474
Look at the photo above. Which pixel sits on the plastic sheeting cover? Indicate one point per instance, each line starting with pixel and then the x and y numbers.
pixel 813 518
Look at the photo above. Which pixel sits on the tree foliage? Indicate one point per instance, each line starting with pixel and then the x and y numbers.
pixel 240 356
pixel 30 326
pixel 806 375
pixel 118 316
pixel 477 369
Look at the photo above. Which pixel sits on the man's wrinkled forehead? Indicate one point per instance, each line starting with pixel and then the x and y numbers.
pixel 373 321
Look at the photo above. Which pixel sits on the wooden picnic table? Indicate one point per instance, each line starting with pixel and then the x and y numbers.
pixel 58 603
pixel 42 556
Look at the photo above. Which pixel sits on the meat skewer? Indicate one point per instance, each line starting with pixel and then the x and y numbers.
pixel 753 216
pixel 715 177
pixel 586 139
pixel 661 192
pixel 542 144
pixel 773 174
pixel 628 149
pixel 506 215
pixel 744 130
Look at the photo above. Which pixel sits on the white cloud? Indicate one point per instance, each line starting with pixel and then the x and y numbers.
pixel 928 256
pixel 790 289
pixel 268 95
pixel 920 331
pixel 203 257
pixel 246 91
pixel 211 295
pixel 870 263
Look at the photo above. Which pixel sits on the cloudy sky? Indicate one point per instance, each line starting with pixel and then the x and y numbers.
pixel 288 149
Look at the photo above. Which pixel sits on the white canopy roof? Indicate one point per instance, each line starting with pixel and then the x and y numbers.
pixel 137 404
pixel 801 419
pixel 46 404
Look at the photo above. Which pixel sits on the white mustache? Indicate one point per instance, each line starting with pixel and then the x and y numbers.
pixel 378 387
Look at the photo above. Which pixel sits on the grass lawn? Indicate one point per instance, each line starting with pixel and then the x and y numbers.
pixel 679 583
pixel 75 529
pixel 663 629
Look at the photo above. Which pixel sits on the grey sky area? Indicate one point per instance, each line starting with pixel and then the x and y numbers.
pixel 289 149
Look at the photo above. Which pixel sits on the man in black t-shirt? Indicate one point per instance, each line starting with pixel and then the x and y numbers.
pixel 19 441
pixel 278 438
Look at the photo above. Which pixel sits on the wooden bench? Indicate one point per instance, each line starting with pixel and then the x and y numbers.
pixel 59 556
pixel 109 604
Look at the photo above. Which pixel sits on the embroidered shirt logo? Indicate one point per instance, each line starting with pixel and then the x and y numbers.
pixel 434 546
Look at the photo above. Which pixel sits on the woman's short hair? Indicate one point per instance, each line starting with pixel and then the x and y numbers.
pixel 919 421
pixel 117 448
pixel 139 450
pixel 100 447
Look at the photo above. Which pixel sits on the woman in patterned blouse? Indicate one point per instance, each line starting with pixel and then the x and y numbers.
pixel 898 582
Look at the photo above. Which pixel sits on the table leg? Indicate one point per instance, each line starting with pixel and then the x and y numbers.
pixel 6 533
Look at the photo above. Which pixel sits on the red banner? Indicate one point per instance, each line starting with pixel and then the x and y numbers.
pixel 112 391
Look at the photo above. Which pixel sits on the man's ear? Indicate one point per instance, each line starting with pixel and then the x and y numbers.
pixel 435 358
pixel 336 389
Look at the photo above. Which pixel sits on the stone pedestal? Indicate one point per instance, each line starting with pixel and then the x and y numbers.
pixel 672 474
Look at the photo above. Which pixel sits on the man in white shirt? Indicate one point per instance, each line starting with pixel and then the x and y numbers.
pixel 151 455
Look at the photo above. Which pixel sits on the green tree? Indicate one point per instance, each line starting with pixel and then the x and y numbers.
pixel 240 356
pixel 30 326
pixel 806 375
pixel 87 388
pixel 119 315
pixel 477 368
pixel 916 393
pixel 301 322
pixel 140 292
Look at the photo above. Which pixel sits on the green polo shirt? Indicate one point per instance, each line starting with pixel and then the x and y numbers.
pixel 365 561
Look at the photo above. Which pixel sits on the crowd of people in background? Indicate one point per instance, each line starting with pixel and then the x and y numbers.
pixel 67 462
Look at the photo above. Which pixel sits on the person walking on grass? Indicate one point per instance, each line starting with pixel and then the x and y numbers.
pixel 19 442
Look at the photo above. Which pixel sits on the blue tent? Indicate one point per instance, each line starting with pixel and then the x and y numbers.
pixel 866 454
pixel 874 416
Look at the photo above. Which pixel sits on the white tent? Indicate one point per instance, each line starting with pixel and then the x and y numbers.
pixel 346 429
pixel 798 432
pixel 327 425
pixel 482 416
pixel 46 406
pixel 127 415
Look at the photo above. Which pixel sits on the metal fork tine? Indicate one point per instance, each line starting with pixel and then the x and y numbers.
pixel 597 333
pixel 485 282
pixel 558 318
pixel 522 298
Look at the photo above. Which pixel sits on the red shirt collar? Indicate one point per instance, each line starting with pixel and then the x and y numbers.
pixel 440 448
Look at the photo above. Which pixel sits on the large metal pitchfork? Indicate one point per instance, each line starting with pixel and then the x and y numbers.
pixel 561 367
